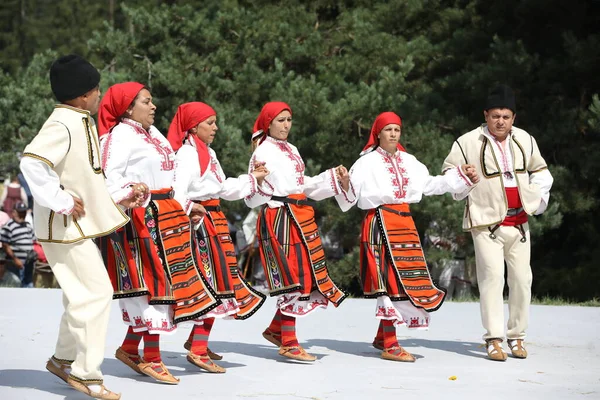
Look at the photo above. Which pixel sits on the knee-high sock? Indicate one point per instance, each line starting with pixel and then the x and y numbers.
pixel 152 347
pixel 132 342
pixel 201 332
pixel 288 331
pixel 389 333
pixel 275 326
pixel 379 336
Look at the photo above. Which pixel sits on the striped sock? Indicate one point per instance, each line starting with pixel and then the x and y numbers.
pixel 132 342
pixel 389 334
pixel 152 347
pixel 379 336
pixel 275 326
pixel 200 338
pixel 288 331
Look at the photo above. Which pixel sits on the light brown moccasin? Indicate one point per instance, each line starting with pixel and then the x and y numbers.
pixel 494 350
pixel 516 348
pixel 159 372
pixel 296 353
pixel 397 353
pixel 205 363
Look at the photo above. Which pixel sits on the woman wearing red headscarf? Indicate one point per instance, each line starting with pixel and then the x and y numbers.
pixel 289 241
pixel 150 262
pixel 199 185
pixel 384 181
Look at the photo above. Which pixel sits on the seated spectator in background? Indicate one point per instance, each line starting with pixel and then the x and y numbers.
pixel 12 194
pixel 17 237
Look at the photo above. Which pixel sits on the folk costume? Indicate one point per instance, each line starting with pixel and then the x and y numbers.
pixel 151 262
pixel 289 241
pixel 393 268
pixel 62 161
pixel 515 183
pixel 200 179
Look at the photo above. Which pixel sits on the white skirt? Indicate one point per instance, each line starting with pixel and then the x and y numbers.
pixel 402 313
pixel 290 305
pixel 154 318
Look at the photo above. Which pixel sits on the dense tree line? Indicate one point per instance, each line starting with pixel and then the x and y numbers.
pixel 338 64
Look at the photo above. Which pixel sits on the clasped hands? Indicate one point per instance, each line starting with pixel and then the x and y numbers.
pixel 470 171
pixel 138 195
pixel 260 171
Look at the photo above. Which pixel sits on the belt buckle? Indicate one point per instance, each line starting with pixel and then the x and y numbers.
pixel 171 194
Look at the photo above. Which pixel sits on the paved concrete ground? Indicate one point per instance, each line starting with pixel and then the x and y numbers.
pixel 563 363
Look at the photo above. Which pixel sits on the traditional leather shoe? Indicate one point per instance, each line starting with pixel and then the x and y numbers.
pixel 205 363
pixel 213 356
pixel 159 372
pixel 296 353
pixel 397 353
pixel 103 394
pixel 516 348
pixel 494 350
pixel 129 359
pixel 58 368
pixel 272 337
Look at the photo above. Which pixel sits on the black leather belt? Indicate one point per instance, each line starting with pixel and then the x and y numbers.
pixel 298 202
pixel 162 196
pixel 514 211
pixel 400 213
pixel 208 208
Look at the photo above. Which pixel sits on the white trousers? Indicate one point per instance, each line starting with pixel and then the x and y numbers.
pixel 87 295
pixel 490 255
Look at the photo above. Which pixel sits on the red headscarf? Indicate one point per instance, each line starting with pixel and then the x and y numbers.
pixel 189 115
pixel 266 116
pixel 381 121
pixel 115 102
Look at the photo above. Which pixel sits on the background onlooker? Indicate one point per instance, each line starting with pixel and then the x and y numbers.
pixel 12 194
pixel 17 237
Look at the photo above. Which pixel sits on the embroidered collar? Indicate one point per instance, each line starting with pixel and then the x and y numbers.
pixel 486 133
pixel 385 153
pixel 276 141
pixel 132 123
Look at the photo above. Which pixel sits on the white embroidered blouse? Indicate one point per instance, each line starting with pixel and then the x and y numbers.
pixel 380 177
pixel 213 184
pixel 130 154
pixel 286 175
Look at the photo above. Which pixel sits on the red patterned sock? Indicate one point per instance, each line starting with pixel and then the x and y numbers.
pixel 201 333
pixel 152 347
pixel 132 342
pixel 275 326
pixel 379 336
pixel 288 331
pixel 389 334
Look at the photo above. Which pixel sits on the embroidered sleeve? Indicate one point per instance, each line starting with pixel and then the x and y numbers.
pixel 347 199
pixel 186 169
pixel 116 151
pixel 322 186
pixel 258 195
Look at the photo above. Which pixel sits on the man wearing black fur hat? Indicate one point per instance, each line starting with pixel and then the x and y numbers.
pixel 72 206
pixel 515 183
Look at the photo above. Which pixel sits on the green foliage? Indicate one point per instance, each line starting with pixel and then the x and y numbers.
pixel 339 64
